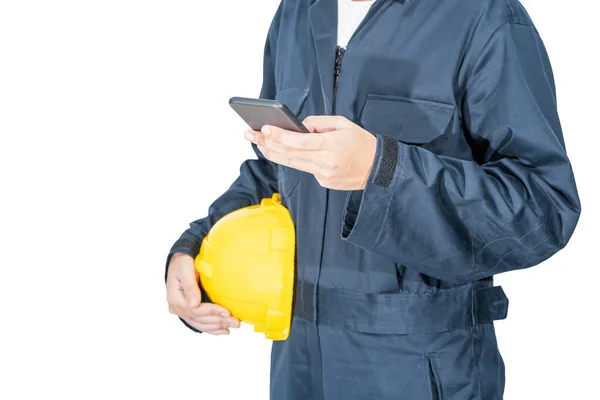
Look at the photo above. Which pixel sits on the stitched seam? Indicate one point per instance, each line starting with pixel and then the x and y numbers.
pixel 387 331
pixel 512 12
pixel 487 42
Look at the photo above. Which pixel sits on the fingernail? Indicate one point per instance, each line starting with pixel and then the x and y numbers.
pixel 266 130
pixel 249 135
pixel 224 315
pixel 232 325
pixel 193 301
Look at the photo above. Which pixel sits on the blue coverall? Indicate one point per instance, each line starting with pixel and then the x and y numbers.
pixel 394 295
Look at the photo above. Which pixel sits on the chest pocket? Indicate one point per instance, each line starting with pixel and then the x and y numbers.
pixel 294 99
pixel 407 120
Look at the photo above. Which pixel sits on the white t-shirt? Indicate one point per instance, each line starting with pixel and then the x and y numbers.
pixel 350 15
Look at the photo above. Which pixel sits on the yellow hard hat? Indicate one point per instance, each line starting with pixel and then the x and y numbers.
pixel 246 264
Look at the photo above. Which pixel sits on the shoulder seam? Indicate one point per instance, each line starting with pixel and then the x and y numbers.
pixel 494 32
pixel 482 48
pixel 515 17
pixel 490 38
pixel 512 12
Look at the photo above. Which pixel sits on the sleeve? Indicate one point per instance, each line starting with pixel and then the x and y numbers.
pixel 257 178
pixel 512 208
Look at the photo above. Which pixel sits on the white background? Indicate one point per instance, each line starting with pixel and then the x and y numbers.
pixel 115 133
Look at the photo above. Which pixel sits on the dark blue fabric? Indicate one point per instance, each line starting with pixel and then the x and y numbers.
pixel 403 312
pixel 394 293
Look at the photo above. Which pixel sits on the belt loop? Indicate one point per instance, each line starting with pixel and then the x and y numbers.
pixel 491 304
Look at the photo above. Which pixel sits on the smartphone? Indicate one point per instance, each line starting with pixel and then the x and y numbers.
pixel 259 112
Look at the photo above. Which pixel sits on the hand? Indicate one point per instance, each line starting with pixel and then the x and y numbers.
pixel 184 298
pixel 337 152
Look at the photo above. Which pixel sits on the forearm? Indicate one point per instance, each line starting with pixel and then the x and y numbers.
pixel 456 220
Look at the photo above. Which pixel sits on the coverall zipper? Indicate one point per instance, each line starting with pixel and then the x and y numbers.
pixel 337 71
pixel 340 51
pixel 336 77
pixel 339 55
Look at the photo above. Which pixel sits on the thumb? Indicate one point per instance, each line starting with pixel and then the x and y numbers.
pixel 324 123
pixel 189 284
pixel 192 294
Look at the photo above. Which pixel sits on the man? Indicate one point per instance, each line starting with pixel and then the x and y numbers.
pixel 436 160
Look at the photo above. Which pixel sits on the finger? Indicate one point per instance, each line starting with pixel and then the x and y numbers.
pixel 280 147
pixel 178 304
pixel 219 332
pixel 189 285
pixel 255 137
pixel 209 319
pixel 206 309
pixel 282 139
pixel 211 327
pixel 191 291
pixel 292 141
pixel 272 148
pixel 223 323
pixel 208 328
pixel 231 322
pixel 228 322
pixel 234 323
pixel 290 160
pixel 326 123
pixel 260 139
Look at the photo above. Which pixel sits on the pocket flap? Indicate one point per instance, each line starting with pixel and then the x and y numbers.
pixel 408 120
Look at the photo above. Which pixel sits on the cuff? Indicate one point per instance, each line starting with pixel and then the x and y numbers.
pixel 188 245
pixel 365 210
pixel 184 244
pixel 353 200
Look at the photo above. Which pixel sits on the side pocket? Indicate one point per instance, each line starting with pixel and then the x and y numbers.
pixel 432 379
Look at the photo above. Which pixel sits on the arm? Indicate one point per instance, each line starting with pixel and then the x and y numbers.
pixel 257 178
pixel 460 220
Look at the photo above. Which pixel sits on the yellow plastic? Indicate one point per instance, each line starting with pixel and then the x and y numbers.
pixel 246 264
